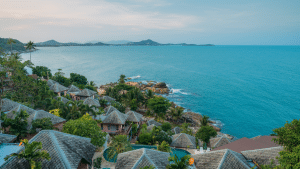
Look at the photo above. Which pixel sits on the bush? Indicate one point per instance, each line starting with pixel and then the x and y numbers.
pixel 97 163
pixel 145 138
pixel 164 146
pixel 44 124
pixel 41 71
pixel 79 79
pixel 166 126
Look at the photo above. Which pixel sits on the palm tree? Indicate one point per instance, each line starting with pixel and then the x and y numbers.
pixel 183 163
pixel 92 83
pixel 176 112
pixel 204 120
pixel 32 153
pixel 120 144
pixel 10 41
pixel 30 46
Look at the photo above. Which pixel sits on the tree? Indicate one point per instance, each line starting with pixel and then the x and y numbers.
pixel 42 71
pixel 164 146
pixel 97 163
pixel 289 136
pixel 18 125
pixel 205 133
pixel 120 144
pixel 30 46
pixel 148 167
pixel 10 41
pixel 159 136
pixel 86 127
pixel 134 129
pixel 183 163
pixel 159 105
pixel 204 120
pixel 5 121
pixel 176 112
pixel 185 129
pixel 166 126
pixel 33 153
pixel 44 124
pixel 122 79
pixel 103 103
pixel 79 79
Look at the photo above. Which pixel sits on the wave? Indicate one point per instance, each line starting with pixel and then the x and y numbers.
pixel 173 91
pixel 135 77
pixel 218 123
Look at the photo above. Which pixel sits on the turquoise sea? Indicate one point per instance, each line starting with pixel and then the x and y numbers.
pixel 248 90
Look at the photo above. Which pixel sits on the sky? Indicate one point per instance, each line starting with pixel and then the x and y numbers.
pixel 226 22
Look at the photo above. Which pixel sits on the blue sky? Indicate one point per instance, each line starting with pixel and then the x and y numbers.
pixel 227 22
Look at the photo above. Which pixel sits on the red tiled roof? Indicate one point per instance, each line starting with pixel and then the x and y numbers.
pixel 244 144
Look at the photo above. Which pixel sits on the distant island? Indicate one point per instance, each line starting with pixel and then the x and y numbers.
pixel 149 42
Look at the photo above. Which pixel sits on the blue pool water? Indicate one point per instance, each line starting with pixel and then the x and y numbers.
pixel 178 152
pixel 7 149
pixel 248 90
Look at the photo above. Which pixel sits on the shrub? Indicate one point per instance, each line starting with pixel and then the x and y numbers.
pixel 44 124
pixel 166 126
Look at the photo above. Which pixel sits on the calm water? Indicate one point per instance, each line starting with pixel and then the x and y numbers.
pixel 249 90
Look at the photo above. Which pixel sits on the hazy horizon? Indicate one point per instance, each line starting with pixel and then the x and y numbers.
pixel 194 22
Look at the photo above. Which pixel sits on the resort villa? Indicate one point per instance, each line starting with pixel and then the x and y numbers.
pixel 183 140
pixel 114 122
pixel 85 93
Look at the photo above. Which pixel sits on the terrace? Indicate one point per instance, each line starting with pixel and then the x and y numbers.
pixel 7 149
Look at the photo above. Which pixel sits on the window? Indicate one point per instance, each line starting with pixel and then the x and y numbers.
pixel 101 126
pixel 117 127
pixel 108 127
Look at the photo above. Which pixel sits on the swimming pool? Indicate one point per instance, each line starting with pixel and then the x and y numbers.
pixel 178 152
pixel 7 149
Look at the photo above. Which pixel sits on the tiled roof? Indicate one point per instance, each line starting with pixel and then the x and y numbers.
pixel 153 122
pixel 86 93
pixel 8 104
pixel 219 141
pixel 107 98
pixel 140 158
pixel 63 99
pixel 116 117
pixel 263 156
pixel 73 89
pixel 183 140
pixel 109 109
pixel 267 140
pixel 43 114
pixel 225 159
pixel 56 87
pixel 176 130
pixel 134 116
pixel 10 114
pixel 91 102
pixel 149 128
pixel 6 138
pixel 244 144
pixel 66 151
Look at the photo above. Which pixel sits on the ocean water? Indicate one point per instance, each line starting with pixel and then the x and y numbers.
pixel 248 90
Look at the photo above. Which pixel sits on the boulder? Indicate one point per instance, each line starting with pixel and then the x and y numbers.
pixel 149 84
pixel 160 85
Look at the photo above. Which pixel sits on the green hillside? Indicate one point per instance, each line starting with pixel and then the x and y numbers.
pixel 18 46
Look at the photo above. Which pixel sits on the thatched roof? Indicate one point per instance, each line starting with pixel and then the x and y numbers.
pixel 10 114
pixel 8 104
pixel 109 109
pixel 150 122
pixel 91 102
pixel 66 151
pixel 219 141
pixel 183 140
pixel 220 159
pixel 149 128
pixel 263 156
pixel 86 93
pixel 140 158
pixel 6 138
pixel 63 99
pixel 176 130
pixel 134 116
pixel 73 89
pixel 107 98
pixel 116 117
pixel 43 114
pixel 57 88
pixel 51 82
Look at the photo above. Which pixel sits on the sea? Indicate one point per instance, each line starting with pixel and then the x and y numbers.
pixel 247 90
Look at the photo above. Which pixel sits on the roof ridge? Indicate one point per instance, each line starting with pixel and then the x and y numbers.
pixel 187 136
pixel 220 138
pixel 61 152
pixel 177 137
pixel 232 152
pixel 263 148
pixel 223 159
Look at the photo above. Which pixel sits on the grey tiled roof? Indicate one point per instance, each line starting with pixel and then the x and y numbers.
pixel 107 98
pixel 91 102
pixel 66 151
pixel 86 93
pixel 219 141
pixel 183 140
pixel 56 87
pixel 18 109
pixel 153 122
pixel 51 82
pixel 134 116
pixel 73 89
pixel 43 114
pixel 149 128
pixel 8 104
pixel 63 99
pixel 109 109
pixel 6 138
pixel 223 159
pixel 116 117
pixel 263 156
pixel 137 159
pixel 176 130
